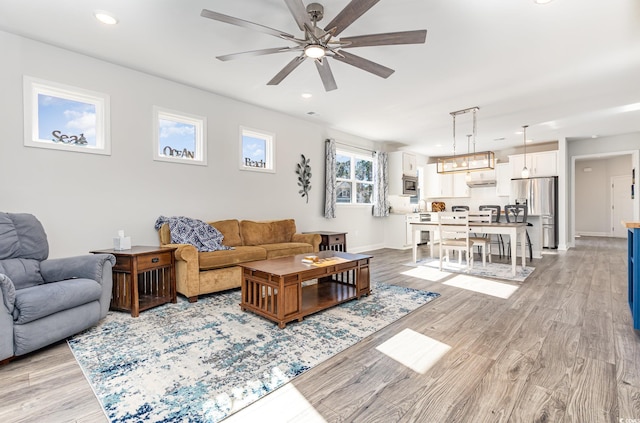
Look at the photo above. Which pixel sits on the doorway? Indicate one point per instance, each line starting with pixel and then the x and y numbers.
pixel 621 204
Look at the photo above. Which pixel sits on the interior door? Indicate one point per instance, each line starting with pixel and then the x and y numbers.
pixel 621 204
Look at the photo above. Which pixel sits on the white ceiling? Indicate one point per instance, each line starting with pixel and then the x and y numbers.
pixel 570 68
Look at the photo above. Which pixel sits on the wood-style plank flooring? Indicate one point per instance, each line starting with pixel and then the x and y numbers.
pixel 561 348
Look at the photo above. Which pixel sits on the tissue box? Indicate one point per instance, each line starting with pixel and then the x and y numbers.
pixel 122 243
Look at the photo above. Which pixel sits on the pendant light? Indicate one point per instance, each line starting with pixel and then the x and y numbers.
pixel 470 162
pixel 525 171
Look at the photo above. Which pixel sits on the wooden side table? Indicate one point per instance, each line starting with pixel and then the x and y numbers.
pixel 334 241
pixel 143 277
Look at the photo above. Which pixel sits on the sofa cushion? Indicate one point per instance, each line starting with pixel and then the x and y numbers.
pixel 22 272
pixel 22 235
pixel 287 249
pixel 242 254
pixel 230 229
pixel 267 232
pixel 43 300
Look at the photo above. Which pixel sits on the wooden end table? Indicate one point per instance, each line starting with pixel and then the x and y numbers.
pixel 334 241
pixel 143 277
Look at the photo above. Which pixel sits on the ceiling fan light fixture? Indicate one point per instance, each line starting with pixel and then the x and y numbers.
pixel 314 51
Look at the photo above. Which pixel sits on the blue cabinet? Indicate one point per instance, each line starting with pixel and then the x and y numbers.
pixel 633 245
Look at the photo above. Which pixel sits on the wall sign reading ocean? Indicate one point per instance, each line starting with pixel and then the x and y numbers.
pixel 179 137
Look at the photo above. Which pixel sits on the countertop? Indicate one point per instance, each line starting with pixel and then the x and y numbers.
pixel 631 225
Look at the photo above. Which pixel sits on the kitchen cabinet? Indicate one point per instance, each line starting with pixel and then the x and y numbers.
pixel 503 179
pixel 544 163
pixel 395 232
pixel 400 163
pixel 450 185
pixel 409 164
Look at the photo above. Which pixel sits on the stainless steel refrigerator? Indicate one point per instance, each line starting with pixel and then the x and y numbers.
pixel 541 196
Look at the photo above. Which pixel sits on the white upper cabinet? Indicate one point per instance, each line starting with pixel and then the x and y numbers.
pixel 544 163
pixel 409 166
pixel 449 185
pixel 400 163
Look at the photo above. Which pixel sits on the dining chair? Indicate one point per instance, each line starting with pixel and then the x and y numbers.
pixel 497 211
pixel 482 242
pixel 518 213
pixel 453 230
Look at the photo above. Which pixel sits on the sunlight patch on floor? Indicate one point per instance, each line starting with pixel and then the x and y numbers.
pixel 483 286
pixel 414 350
pixel 427 273
pixel 287 403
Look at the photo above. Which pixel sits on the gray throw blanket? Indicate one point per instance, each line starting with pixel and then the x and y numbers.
pixel 185 230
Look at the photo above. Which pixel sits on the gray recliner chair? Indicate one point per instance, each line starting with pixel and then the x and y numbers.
pixel 43 301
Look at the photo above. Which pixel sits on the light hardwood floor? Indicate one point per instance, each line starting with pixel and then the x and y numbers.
pixel 561 348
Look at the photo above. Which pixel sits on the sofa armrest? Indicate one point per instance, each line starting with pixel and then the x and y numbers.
pixel 89 266
pixel 313 239
pixel 187 270
pixel 7 305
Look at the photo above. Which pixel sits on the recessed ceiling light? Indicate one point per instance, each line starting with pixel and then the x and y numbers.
pixel 105 17
pixel 439 145
pixel 542 1
pixel 306 95
pixel 594 136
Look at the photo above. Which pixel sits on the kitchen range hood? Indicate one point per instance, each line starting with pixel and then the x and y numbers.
pixel 481 183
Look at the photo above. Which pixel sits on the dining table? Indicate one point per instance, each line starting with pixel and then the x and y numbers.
pixel 512 229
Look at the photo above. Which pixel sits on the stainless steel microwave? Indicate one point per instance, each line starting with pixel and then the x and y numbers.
pixel 409 185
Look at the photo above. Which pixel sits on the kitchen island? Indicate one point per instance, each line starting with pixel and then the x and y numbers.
pixel 633 270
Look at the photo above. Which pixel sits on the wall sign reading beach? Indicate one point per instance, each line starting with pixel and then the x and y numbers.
pixel 257 150
pixel 179 137
pixel 62 117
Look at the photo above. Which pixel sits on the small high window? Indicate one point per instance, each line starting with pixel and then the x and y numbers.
pixel 257 150
pixel 179 137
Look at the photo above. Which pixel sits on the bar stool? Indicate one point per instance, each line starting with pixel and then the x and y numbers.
pixel 517 213
pixel 496 211
pixel 459 208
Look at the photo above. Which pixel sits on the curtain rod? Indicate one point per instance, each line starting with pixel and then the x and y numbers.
pixel 353 146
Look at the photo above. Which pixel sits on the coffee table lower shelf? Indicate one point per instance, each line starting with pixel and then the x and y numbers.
pixel 278 289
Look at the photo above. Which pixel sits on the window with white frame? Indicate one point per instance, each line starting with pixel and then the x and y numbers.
pixel 179 137
pixel 354 178
pixel 62 117
pixel 257 150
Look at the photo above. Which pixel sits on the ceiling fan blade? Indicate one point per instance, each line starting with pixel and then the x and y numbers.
pixel 364 64
pixel 254 53
pixel 287 70
pixel 387 39
pixel 326 75
pixel 245 24
pixel 299 13
pixel 349 14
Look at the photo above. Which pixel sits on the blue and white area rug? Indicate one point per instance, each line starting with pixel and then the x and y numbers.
pixel 200 362
pixel 492 270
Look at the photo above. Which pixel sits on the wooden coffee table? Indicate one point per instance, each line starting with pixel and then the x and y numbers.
pixel 275 288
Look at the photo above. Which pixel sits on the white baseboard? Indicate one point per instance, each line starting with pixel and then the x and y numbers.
pixel 581 233
pixel 360 249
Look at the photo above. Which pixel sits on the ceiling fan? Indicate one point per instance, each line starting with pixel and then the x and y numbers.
pixel 320 44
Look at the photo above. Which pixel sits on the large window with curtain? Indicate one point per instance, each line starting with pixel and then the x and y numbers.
pixel 354 178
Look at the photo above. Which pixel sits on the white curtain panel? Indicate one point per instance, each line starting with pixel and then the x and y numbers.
pixel 380 185
pixel 330 180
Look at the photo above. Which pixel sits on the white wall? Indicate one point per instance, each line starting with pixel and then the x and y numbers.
pixel 593 193
pixel 599 148
pixel 83 199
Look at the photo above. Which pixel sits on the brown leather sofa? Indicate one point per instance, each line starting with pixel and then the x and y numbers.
pixel 206 272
